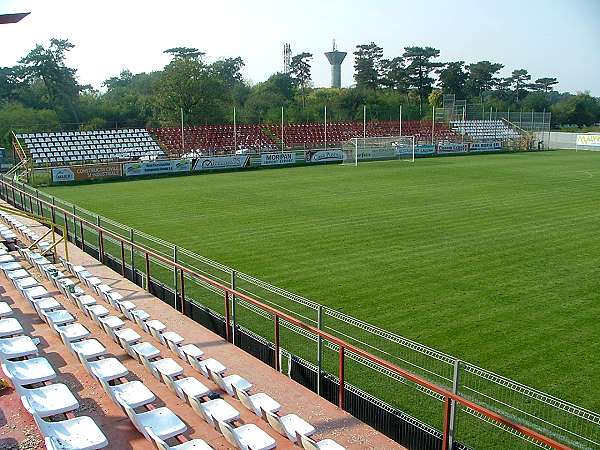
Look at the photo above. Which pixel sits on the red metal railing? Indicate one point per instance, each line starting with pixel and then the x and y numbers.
pixel 344 346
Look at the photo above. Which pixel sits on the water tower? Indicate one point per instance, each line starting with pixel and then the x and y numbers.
pixel 336 58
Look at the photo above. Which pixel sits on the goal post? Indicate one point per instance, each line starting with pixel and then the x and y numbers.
pixel 378 149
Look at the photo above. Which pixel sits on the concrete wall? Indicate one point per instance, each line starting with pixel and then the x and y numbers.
pixel 560 139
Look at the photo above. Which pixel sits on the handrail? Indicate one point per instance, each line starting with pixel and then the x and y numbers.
pixel 449 396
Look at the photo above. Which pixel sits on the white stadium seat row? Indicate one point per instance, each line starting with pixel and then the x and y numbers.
pixel 156 424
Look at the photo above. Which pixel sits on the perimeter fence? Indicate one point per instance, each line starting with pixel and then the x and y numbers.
pixel 304 342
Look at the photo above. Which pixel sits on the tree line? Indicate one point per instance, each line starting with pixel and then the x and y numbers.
pixel 42 93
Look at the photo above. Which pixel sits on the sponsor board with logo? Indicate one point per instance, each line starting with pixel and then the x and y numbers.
pixel 322 156
pixel 156 167
pixel 486 146
pixel 277 159
pixel 452 147
pixel 87 172
pixel 592 140
pixel 376 152
pixel 222 162
pixel 424 149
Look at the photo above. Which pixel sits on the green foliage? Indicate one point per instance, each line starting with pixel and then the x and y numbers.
pixel 482 76
pixel 453 79
pixel 581 110
pixel 545 84
pixel 367 66
pixel 420 67
pixel 519 80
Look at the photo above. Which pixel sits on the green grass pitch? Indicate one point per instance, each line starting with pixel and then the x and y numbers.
pixel 494 259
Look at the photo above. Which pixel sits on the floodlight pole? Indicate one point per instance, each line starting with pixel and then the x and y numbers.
pixel 325 127
pixel 400 120
pixel 364 122
pixel 282 136
pixel 433 124
pixel 234 132
pixel 182 141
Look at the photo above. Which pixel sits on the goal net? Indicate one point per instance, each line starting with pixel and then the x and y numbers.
pixel 379 149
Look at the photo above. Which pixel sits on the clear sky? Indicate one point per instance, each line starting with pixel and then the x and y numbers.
pixel 559 38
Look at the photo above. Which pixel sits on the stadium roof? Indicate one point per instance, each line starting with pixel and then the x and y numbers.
pixel 12 18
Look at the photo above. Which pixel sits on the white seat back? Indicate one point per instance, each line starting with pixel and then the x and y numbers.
pixel 306 442
pixel 148 365
pixel 197 406
pixel 274 421
pixel 245 399
pixel 218 379
pixel 160 444
pixel 230 435
pixel 131 414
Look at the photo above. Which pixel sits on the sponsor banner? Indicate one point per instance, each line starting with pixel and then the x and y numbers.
pixel 87 172
pixel 222 162
pixel 424 149
pixel 376 152
pixel 592 140
pixel 486 146
pixel 320 156
pixel 156 167
pixel 277 159
pixel 451 147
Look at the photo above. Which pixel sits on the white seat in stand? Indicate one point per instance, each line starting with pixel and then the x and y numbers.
pixel 80 433
pixel 194 444
pixel 124 336
pixel 10 327
pixel 15 275
pixel 247 436
pixel 189 351
pixel 26 283
pixel 45 304
pixel 74 332
pixel 87 348
pixel 165 367
pixel 145 350
pixel 289 425
pixel 29 371
pixel 82 301
pixel 113 297
pixel 93 282
pixel 10 266
pixel 134 393
pixel 96 310
pixel 58 317
pixel 5 310
pixel 110 323
pixel 17 347
pixel 217 409
pixel 126 307
pixel 156 327
pixel 36 292
pixel 326 444
pixel 256 402
pixel 106 369
pixel 206 365
pixel 186 387
pixel 6 258
pixel 227 383
pixel 50 400
pixel 162 421
pixel 140 317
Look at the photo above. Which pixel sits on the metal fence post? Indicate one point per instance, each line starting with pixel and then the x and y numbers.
pixel 227 318
pixel 319 349
pixel 175 281
pixel 132 255
pixel 233 306
pixel 453 415
pixel 53 211
pixel 277 346
pixel 74 225
pixel 147 257
pixel 341 399
pixel 98 232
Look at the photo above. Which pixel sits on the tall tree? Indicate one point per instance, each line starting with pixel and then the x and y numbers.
pixel 48 65
pixel 482 76
pixel 367 65
pixel 453 78
pixel 419 69
pixel 545 84
pixel 229 71
pixel 394 75
pixel 518 79
pixel 184 53
pixel 300 72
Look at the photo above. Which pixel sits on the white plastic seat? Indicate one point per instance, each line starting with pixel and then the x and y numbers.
pixel 206 365
pixel 217 409
pixel 10 327
pixel 107 369
pixel 88 348
pixel 189 351
pixel 194 444
pixel 227 383
pixel 134 393
pixel 29 371
pixel 10 266
pixel 162 421
pixel 74 332
pixel 5 310
pixel 17 347
pixel 247 436
pixel 79 433
pixel 186 387
pixel 15 275
pixel 289 425
pixel 26 283
pixel 145 350
pixel 96 310
pixel 45 304
pixel 140 316
pixel 35 292
pixel 50 400
pixel 256 402
pixel 326 444
pixel 125 336
pixel 83 301
pixel 93 282
pixel 113 298
pixel 103 289
pixel 155 327
pixel 110 322
pixel 165 367
pixel 58 317
pixel 7 258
